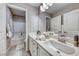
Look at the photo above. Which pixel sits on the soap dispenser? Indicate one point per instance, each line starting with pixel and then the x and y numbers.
pixel 76 40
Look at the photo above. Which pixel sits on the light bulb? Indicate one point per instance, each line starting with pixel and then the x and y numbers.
pixel 42 9
pixel 45 6
pixel 49 4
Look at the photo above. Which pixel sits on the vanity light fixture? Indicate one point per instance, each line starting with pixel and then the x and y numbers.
pixel 45 6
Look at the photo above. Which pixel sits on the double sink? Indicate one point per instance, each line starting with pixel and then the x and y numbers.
pixel 59 47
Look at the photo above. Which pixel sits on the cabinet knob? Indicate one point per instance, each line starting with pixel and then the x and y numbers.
pixel 58 51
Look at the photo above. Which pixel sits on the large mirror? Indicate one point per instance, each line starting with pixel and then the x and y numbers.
pixel 65 18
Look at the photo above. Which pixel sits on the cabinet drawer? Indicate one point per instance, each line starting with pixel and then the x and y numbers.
pixel 32 47
pixel 42 52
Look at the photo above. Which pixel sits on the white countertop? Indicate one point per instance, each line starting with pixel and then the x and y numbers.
pixel 52 52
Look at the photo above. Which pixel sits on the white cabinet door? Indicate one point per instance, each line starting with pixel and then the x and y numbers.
pixel 30 41
pixel 32 47
pixel 42 52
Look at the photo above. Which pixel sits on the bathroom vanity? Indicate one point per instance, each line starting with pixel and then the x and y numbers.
pixel 35 48
pixel 50 47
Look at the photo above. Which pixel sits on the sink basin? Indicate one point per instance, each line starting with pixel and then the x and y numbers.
pixel 61 47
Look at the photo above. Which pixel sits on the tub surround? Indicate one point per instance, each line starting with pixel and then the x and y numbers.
pixel 54 51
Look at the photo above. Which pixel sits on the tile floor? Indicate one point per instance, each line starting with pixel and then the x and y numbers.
pixel 17 48
pixel 20 52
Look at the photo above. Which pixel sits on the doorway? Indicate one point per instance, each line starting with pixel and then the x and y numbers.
pixel 16 30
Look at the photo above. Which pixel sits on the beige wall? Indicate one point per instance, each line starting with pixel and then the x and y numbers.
pixel 19 24
pixel 2 29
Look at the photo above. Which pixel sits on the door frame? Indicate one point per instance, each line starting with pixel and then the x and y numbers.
pixel 26 14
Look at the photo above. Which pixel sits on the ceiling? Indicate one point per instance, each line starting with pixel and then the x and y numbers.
pixel 56 6
pixel 17 12
pixel 22 13
pixel 34 4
